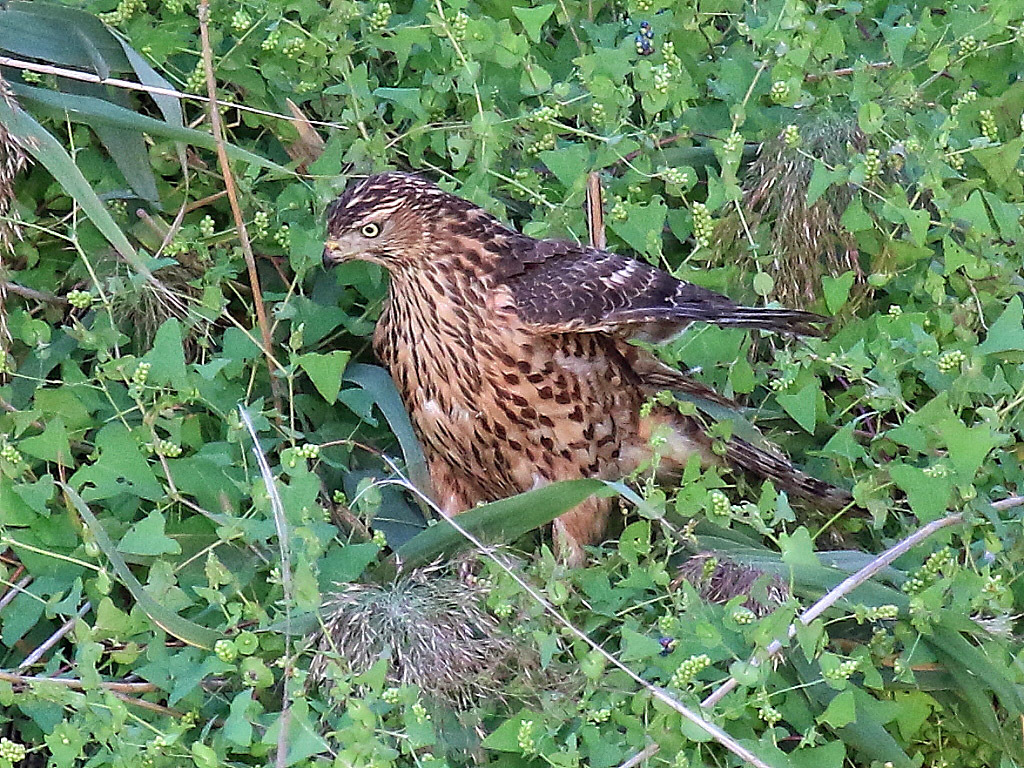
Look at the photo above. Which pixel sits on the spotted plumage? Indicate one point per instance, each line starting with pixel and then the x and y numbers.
pixel 513 356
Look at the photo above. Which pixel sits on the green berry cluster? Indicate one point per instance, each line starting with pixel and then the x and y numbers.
pixel 951 360
pixel 662 78
pixel 174 7
pixel 989 129
pixel 176 247
pixel 196 80
pixel 936 470
pixel 965 98
pixel 677 176
pixel 527 743
pixel 843 671
pixel 380 17
pixel 769 714
pixel 671 58
pixel 779 92
pixel 872 163
pixel 719 503
pixel 391 696
pixel 545 143
pixel 260 225
pixel 895 310
pixel 703 224
pixel 167 448
pixel 968 45
pixel 783 382
pixel 241 21
pixel 80 299
pixel 733 144
pixel 283 237
pixel 688 670
pixel 124 11
pixel 294 47
pixel 644 6
pixel 743 616
pixel 225 650
pixel 380 538
pixel 309 451
pixel 503 610
pixel 12 751
pixel 791 136
pixel 459 26
pixel 927 574
pixel 141 374
pixel 207 226
pixel 544 114
pixel 271 41
pixel 877 612
pixel 598 113
pixel 666 623
pixel 10 454
pixel 419 712
pixel 599 715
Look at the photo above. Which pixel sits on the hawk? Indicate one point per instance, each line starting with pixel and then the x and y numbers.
pixel 513 355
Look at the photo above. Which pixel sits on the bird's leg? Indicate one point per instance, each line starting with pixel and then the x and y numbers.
pixel 582 525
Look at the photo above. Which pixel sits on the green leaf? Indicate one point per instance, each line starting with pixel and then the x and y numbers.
pixel 506 736
pixel 917 222
pixel 842 710
pixel 147 537
pixel 498 522
pixel 643 223
pixel 92 111
pixel 533 19
pixel 406 98
pixel 570 164
pixel 167 357
pixel 636 647
pixel 870 117
pixel 928 496
pixel 837 290
pixel 60 35
pixel 52 445
pixel 803 405
pixel 1007 333
pixel 325 370
pixel 167 620
pixel 1001 162
pixel 821 179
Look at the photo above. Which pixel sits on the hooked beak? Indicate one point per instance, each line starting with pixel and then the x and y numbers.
pixel 332 254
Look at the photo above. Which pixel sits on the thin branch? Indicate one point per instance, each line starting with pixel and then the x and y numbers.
pixel 76 684
pixel 647 752
pixel 31 293
pixel 845 71
pixel 841 590
pixel 88 77
pixel 217 128
pixel 53 639
pixel 1009 503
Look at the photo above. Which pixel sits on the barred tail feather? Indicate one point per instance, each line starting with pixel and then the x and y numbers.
pixel 785 476
pixel 779 320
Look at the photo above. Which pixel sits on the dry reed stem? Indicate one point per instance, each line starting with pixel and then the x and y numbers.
pixel 217 127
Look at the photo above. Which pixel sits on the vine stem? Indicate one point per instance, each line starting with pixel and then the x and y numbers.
pixel 845 587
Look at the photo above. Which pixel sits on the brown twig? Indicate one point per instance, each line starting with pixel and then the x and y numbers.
pixel 31 293
pixel 76 684
pixel 845 587
pixel 595 211
pixel 53 639
pixel 236 211
pixel 647 752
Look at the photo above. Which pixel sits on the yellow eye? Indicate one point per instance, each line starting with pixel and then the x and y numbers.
pixel 370 230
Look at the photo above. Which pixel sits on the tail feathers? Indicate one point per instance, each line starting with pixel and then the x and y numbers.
pixel 779 320
pixel 785 476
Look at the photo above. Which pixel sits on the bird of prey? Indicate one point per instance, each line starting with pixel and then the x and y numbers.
pixel 513 355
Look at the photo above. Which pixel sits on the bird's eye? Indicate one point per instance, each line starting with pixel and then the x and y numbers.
pixel 370 230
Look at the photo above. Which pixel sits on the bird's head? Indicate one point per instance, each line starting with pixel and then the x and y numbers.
pixel 387 219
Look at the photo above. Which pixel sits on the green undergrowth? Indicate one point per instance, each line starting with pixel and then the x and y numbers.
pixel 139 533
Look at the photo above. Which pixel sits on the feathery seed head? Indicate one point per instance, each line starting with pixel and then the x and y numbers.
pixel 388 218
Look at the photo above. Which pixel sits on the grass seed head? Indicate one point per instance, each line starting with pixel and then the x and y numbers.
pixel 725 579
pixel 433 630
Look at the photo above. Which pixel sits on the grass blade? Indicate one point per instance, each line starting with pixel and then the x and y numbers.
pixel 500 521
pixel 173 624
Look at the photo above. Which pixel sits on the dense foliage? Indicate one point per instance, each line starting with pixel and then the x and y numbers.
pixel 137 529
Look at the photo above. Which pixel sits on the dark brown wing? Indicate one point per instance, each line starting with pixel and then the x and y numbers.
pixel 560 287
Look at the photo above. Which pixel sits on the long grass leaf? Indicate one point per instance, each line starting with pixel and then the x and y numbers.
pixel 183 629
pixel 499 522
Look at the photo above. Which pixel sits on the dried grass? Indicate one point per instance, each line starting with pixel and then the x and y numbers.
pixel 719 580
pixel 433 630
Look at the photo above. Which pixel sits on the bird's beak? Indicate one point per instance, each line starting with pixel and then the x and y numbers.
pixel 332 253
